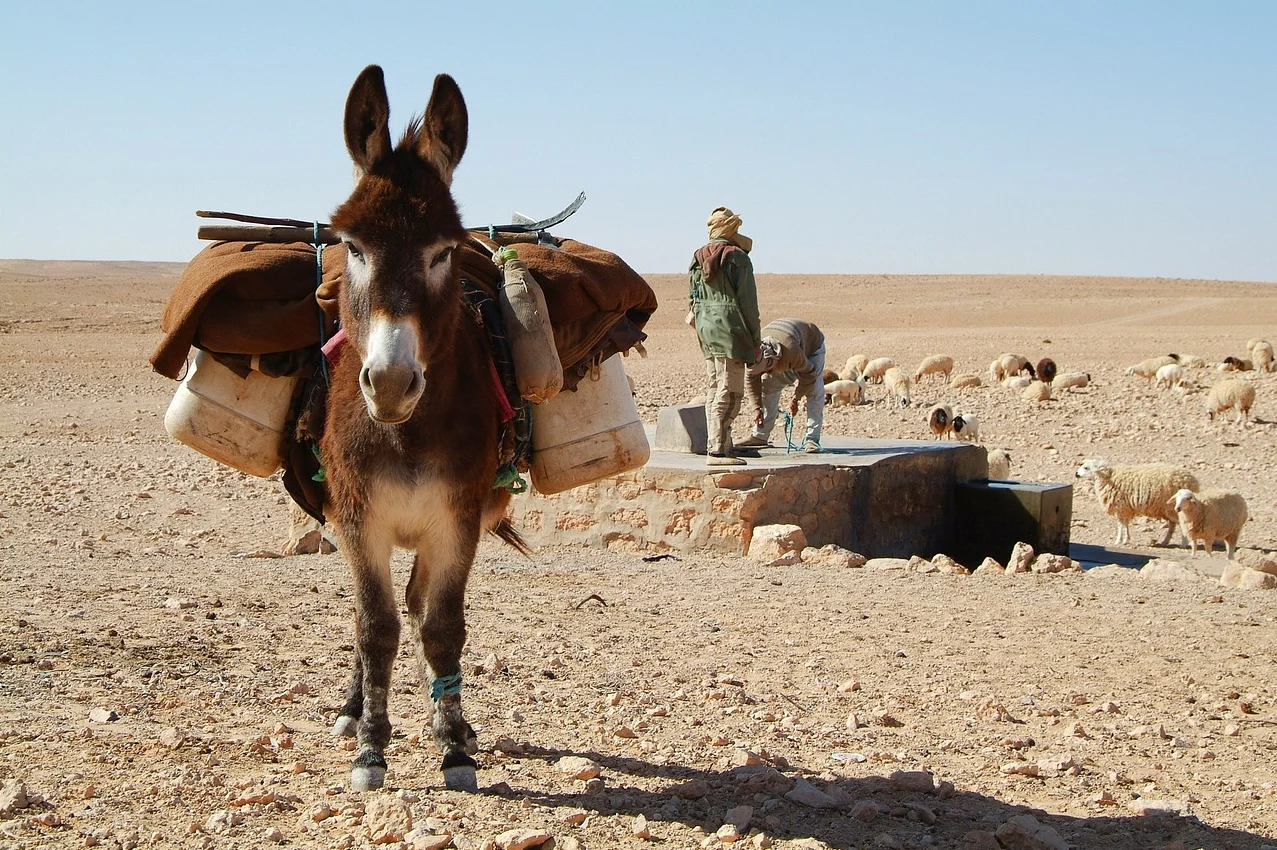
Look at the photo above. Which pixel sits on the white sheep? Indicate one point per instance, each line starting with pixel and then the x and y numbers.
pixel 1170 376
pixel 1147 369
pixel 1231 393
pixel 1144 489
pixel 996 372
pixel 999 464
pixel 1262 356
pixel 1192 361
pixel 1016 382
pixel 1071 380
pixel 855 367
pixel 940 420
pixel 898 386
pixel 838 393
pixel 1013 364
pixel 1036 392
pixel 1209 516
pixel 877 368
pixel 936 364
pixel 965 381
pixel 966 427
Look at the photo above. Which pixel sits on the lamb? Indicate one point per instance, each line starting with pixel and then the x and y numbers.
pixel 1236 364
pixel 1016 382
pixel 855 367
pixel 1071 380
pixel 1036 392
pixel 999 464
pixel 940 420
pixel 898 386
pixel 875 369
pixel 1192 361
pixel 1147 369
pixel 1046 370
pixel 1131 490
pixel 936 364
pixel 1231 393
pixel 839 393
pixel 996 372
pixel 966 427
pixel 965 381
pixel 1209 516
pixel 1262 355
pixel 1170 376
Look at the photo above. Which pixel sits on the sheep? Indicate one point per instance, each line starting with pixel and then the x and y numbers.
pixel 1252 342
pixel 999 464
pixel 828 376
pixel 1236 364
pixel 1209 516
pixel 898 386
pixel 875 369
pixel 1016 382
pixel 1046 370
pixel 1036 392
pixel 940 420
pixel 1071 380
pixel 1147 369
pixel 966 427
pixel 1231 393
pixel 1262 355
pixel 965 381
pixel 1170 376
pixel 936 364
pixel 1192 361
pixel 1013 363
pixel 856 364
pixel 996 372
pixel 1131 490
pixel 844 392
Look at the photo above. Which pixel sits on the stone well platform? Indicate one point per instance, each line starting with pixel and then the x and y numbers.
pixel 877 497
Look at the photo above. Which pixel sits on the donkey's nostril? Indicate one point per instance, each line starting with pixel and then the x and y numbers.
pixel 415 385
pixel 365 382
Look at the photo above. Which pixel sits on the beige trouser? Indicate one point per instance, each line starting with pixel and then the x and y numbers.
pixel 722 401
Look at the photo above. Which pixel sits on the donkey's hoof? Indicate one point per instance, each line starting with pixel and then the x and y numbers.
pixel 461 778
pixel 368 773
pixel 346 726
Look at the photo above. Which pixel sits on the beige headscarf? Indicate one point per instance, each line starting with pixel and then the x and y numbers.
pixel 725 224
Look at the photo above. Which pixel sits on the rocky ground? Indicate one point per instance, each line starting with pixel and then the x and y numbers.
pixel 162 684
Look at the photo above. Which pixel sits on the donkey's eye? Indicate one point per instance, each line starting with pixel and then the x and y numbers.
pixel 353 251
pixel 443 255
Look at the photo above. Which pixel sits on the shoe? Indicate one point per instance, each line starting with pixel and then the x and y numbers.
pixel 737 451
pixel 752 442
pixel 811 447
pixel 723 460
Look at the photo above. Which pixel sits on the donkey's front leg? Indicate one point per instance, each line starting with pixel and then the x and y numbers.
pixel 436 615
pixel 376 644
pixel 347 723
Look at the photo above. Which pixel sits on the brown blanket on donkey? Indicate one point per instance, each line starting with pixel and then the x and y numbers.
pixel 260 298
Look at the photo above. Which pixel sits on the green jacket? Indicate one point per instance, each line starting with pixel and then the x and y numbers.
pixel 724 297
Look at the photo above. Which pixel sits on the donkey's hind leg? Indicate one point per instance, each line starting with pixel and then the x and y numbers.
pixel 436 617
pixel 376 645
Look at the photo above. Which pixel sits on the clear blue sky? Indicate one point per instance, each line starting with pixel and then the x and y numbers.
pixel 1100 138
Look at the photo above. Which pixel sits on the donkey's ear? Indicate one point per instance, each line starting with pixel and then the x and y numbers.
pixel 368 119
pixel 446 128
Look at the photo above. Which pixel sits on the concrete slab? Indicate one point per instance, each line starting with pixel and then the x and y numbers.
pixel 877 497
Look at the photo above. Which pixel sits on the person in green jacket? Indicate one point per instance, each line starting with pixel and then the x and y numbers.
pixel 723 307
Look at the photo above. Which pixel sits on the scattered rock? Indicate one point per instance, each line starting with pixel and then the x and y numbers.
pixel 419 838
pixel 805 794
pixel 1049 563
pixel 728 834
pixel 887 564
pixel 1256 580
pixel 1162 569
pixel 770 542
pixel 833 556
pixel 865 811
pixel 172 738
pixel 739 817
pixel 919 564
pixel 978 839
pixel 13 796
pixel 387 818
pixel 993 711
pixel 522 839
pixel 692 789
pixel 912 780
pixel 222 821
pixel 639 828
pixel 1144 806
pixel 578 767
pixel 948 566
pixel 989 567
pixel 1025 833
pixel 1020 768
pixel 1021 558
pixel 103 715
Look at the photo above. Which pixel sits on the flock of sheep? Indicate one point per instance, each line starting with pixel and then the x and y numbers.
pixel 1155 490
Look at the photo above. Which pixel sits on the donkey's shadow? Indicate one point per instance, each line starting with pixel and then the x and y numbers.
pixel 941 818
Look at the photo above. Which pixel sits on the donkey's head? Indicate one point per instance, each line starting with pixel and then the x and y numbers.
pixel 400 302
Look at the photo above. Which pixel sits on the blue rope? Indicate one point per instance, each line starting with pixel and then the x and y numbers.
pixel 445 686
pixel 790 445
pixel 508 478
pixel 319 282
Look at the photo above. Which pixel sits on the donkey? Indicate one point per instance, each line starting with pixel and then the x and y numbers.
pixel 410 445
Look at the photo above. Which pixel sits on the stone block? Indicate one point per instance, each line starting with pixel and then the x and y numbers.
pixel 770 542
pixel 992 516
pixel 681 428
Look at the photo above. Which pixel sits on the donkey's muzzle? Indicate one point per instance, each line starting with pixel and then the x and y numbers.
pixel 391 390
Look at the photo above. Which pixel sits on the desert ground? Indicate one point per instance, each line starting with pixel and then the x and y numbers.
pixel 163 683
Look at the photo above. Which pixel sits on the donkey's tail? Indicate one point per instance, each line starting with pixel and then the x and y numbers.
pixel 507 532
